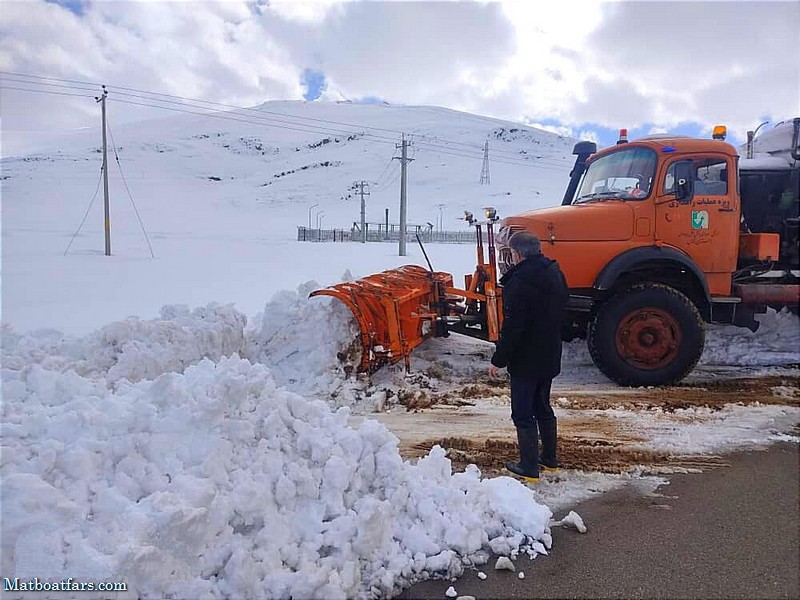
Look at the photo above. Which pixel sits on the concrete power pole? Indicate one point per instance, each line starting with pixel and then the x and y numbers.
pixel 404 160
pixel 441 221
pixel 102 101
pixel 361 185
pixel 485 166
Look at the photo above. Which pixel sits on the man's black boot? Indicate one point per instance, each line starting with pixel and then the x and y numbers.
pixel 528 465
pixel 549 432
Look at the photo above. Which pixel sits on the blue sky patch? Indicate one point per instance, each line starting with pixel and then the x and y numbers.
pixel 314 82
pixel 607 136
pixel 74 6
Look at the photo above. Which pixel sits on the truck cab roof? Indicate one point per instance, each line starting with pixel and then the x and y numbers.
pixel 673 144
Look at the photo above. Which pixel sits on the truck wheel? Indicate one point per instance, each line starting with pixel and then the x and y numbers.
pixel 650 334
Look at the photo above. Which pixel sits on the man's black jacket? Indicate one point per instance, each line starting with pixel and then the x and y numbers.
pixel 534 297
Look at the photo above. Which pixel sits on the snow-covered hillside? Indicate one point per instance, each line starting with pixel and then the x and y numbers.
pixel 221 196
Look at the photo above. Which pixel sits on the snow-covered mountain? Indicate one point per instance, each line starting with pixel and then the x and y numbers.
pixel 220 196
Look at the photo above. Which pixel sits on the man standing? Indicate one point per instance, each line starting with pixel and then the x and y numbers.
pixel 534 297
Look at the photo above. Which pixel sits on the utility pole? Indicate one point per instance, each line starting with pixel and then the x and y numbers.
pixel 441 222
pixel 485 167
pixel 403 185
pixel 361 185
pixel 310 208
pixel 102 100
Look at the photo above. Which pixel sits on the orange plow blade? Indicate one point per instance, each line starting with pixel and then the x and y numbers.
pixel 396 311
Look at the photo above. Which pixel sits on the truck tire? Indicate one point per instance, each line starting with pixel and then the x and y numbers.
pixel 649 334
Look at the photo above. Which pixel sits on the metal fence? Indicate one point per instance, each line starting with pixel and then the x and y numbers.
pixel 304 234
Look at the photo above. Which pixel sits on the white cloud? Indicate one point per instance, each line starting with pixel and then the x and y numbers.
pixel 588 135
pixel 304 12
pixel 616 65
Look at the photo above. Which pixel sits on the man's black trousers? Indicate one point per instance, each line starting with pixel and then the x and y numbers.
pixel 530 402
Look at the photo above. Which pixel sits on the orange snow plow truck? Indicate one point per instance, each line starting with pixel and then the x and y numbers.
pixel 656 237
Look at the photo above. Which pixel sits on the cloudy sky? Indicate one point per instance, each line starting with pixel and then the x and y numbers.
pixel 580 68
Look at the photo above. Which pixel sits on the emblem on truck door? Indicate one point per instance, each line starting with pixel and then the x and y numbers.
pixel 699 219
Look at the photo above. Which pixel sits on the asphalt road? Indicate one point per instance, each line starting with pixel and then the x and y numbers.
pixel 730 532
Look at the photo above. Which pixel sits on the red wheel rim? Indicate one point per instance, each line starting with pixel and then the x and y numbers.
pixel 648 338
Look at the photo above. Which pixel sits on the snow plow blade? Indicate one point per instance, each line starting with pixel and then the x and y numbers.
pixel 396 310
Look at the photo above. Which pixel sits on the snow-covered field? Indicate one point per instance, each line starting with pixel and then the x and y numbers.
pixel 209 446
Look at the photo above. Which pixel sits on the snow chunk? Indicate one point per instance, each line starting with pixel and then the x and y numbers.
pixel 521 575
pixel 451 592
pixel 574 519
pixel 504 563
pixel 481 575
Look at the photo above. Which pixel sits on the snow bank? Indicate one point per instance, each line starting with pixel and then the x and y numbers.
pixel 305 341
pixel 132 349
pixel 776 342
pixel 218 483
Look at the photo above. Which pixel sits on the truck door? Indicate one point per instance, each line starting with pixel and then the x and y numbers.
pixel 697 211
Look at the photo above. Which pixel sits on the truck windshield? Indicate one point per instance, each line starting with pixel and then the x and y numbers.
pixel 625 175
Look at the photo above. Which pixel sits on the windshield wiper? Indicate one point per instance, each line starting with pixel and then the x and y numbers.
pixel 601 196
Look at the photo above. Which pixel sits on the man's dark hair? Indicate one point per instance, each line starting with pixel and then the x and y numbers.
pixel 527 244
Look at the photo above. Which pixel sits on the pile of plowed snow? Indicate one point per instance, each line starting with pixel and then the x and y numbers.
pixel 308 343
pixel 133 349
pixel 215 482
pixel 776 342
pixel 305 341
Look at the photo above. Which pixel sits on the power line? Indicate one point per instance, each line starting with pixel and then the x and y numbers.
pixel 308 129
pixel 17 79
pixel 389 163
pixel 231 118
pixel 86 214
pixel 8 87
pixel 284 115
pixel 256 118
pixel 479 151
pixel 305 129
pixel 437 140
pixel 531 165
pixel 197 100
pixel 391 178
pixel 127 189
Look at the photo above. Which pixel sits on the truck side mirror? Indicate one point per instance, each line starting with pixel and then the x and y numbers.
pixel 683 182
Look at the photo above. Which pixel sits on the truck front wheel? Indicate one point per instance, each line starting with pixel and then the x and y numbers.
pixel 649 334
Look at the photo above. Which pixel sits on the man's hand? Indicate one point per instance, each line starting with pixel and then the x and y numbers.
pixel 494 371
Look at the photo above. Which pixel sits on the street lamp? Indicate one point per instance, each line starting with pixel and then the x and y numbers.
pixel 310 208
pixel 320 216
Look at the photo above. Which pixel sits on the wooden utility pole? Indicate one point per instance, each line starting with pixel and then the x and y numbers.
pixel 361 185
pixel 102 101
pixel 404 160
